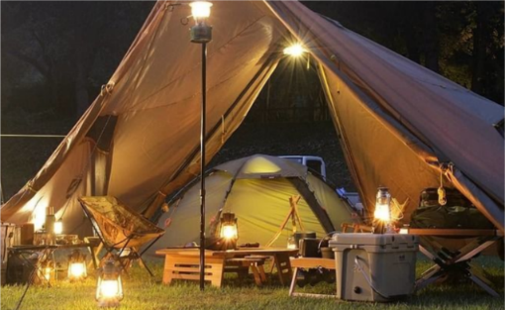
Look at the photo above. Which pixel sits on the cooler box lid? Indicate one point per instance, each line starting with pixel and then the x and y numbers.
pixel 373 239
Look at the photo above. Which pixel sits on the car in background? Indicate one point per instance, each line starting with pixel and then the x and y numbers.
pixel 315 163
pixel 318 165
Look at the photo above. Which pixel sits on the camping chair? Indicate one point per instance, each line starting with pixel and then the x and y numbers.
pixel 120 229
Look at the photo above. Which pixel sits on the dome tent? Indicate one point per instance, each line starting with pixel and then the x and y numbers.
pixel 257 189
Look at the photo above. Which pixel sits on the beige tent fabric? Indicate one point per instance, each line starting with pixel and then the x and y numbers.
pixel 155 96
pixel 154 101
pixel 453 122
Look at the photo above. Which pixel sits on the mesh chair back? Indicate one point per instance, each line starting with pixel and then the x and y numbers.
pixel 117 224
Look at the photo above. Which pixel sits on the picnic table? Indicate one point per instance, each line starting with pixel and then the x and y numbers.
pixel 184 263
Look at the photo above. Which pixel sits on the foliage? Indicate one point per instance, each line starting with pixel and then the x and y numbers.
pixel 68 48
pixel 440 35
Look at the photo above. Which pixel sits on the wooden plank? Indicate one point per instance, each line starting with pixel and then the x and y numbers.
pixel 183 265
pixel 313 262
pixel 313 295
pixel 452 232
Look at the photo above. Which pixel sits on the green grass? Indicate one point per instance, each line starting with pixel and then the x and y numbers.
pixel 142 292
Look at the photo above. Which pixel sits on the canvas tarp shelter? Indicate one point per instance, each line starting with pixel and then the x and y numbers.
pixel 257 190
pixel 399 124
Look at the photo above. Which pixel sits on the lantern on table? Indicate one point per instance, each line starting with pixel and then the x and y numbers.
pixel 382 213
pixel 77 269
pixel 292 243
pixel 229 230
pixel 109 288
pixel 58 227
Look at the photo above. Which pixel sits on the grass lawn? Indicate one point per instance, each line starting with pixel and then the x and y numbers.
pixel 142 292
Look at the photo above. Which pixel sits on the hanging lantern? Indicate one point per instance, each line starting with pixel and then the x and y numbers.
pixel 295 50
pixel 201 32
pixel 229 230
pixel 77 269
pixel 109 288
pixel 382 211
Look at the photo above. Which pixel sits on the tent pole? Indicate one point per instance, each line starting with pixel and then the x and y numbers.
pixel 202 168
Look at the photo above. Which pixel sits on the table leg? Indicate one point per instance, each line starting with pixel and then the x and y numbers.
pixel 94 259
pixel 483 285
pixel 283 268
pixel 293 282
pixel 423 282
pixel 475 251
pixel 446 266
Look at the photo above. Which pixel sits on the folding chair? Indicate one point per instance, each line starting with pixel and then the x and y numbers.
pixel 120 229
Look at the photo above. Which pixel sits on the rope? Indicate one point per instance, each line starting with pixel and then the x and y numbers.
pixel 107 89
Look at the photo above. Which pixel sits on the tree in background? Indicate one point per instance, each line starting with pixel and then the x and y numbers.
pixel 64 51
pixel 462 40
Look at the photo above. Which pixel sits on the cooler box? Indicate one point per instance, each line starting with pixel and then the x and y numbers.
pixel 373 267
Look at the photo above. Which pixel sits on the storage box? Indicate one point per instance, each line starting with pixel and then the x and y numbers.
pixel 10 236
pixel 373 267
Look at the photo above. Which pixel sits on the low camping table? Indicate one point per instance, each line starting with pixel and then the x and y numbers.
pixel 456 262
pixel 183 263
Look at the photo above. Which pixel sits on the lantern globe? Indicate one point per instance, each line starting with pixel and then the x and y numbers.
pixel 200 9
pixel 295 50
pixel 58 227
pixel 109 288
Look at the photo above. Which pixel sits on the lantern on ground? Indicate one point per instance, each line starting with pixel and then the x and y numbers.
pixel 382 213
pixel 77 270
pixel 46 269
pixel 201 32
pixel 229 230
pixel 109 288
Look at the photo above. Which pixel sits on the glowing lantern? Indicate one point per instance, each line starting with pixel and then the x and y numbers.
pixel 229 230
pixel 58 227
pixel 39 217
pixel 109 288
pixel 46 269
pixel 77 269
pixel 382 211
pixel 200 10
pixel 47 273
pixel 292 243
pixel 295 50
pixel 200 32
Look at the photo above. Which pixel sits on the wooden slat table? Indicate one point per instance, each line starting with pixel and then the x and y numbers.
pixel 185 263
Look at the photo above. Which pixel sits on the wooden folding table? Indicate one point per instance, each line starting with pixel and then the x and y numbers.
pixel 449 262
pixel 184 263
